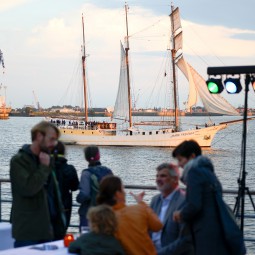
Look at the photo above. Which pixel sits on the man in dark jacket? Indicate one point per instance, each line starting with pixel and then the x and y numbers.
pixel 200 210
pixel 29 172
pixel 67 179
pixel 89 182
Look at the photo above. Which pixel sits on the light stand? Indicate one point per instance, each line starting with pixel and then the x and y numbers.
pixel 239 208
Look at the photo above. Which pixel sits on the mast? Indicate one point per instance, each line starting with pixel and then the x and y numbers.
pixel 173 51
pixel 127 63
pixel 83 59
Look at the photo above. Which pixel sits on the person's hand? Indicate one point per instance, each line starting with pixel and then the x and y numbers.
pixel 177 216
pixel 138 197
pixel 44 158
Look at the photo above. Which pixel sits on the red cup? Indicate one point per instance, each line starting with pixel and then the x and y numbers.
pixel 68 239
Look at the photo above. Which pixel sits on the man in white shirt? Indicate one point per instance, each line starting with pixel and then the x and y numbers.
pixel 169 240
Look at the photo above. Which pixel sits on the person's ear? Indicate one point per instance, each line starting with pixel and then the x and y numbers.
pixel 39 135
pixel 118 196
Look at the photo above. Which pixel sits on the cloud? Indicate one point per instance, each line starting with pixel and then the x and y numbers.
pixel 9 4
pixel 104 29
pixel 217 40
pixel 54 39
pixel 44 56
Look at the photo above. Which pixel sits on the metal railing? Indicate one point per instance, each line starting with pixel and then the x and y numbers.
pixel 5 200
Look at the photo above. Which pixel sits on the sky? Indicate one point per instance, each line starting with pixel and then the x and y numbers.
pixel 41 44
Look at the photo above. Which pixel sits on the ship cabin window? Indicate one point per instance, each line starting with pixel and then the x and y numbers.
pixel 83 132
pixel 150 133
pixel 92 133
pixel 164 132
pixel 156 132
pixel 143 133
pixel 131 133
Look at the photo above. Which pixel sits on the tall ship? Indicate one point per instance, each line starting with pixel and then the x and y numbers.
pixel 163 133
pixel 4 109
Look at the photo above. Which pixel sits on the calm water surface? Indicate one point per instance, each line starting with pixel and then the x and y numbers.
pixel 137 165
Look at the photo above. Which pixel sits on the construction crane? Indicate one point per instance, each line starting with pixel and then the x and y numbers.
pixel 2 59
pixel 36 101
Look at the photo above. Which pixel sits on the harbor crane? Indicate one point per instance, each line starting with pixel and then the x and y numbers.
pixel 36 101
pixel 2 59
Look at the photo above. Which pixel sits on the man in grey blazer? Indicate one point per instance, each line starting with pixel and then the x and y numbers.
pixel 174 238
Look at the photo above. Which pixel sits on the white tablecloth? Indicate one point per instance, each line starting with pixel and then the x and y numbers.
pixel 6 240
pixel 29 251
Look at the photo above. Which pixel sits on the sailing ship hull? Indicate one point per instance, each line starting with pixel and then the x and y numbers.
pixel 203 137
pixel 4 113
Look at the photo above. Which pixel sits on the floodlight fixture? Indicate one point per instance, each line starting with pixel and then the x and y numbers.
pixel 215 85
pixel 233 85
pixel 253 82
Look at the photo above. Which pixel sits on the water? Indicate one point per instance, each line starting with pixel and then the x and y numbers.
pixel 136 165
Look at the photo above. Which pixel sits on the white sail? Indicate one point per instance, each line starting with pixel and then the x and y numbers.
pixel 176 18
pixel 214 103
pixel 2 101
pixel 197 86
pixel 178 41
pixel 121 108
pixel 192 99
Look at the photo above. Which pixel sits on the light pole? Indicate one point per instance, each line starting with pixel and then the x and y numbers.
pixel 249 72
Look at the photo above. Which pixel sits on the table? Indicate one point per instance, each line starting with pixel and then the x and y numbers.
pixel 6 240
pixel 27 250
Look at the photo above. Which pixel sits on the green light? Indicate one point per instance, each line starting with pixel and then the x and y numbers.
pixel 213 87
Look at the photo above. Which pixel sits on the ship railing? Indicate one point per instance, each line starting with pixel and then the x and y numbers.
pixel 229 196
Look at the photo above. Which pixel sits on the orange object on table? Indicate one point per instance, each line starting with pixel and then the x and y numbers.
pixel 68 239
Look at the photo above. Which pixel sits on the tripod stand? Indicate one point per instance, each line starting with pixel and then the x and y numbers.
pixel 239 207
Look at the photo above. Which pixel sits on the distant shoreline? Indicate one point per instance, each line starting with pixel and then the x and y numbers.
pixel 104 114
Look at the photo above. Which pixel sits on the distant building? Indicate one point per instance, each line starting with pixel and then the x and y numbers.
pixel 64 110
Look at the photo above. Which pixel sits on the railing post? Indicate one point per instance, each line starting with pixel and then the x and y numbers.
pixel 0 201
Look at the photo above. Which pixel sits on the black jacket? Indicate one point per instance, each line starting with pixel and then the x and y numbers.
pixel 68 181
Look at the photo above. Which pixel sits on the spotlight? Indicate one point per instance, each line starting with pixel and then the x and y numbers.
pixel 214 86
pixel 253 82
pixel 233 85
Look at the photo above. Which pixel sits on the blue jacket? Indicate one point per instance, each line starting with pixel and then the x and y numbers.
pixel 201 209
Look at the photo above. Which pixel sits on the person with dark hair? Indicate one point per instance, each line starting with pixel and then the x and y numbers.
pixel 67 177
pixel 134 221
pixel 174 238
pixel 200 210
pixel 30 169
pixel 100 240
pixel 89 182
pixel 186 151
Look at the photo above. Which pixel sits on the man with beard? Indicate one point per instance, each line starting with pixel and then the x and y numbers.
pixel 174 238
pixel 29 172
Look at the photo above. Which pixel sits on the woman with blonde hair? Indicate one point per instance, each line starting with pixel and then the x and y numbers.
pixel 100 240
